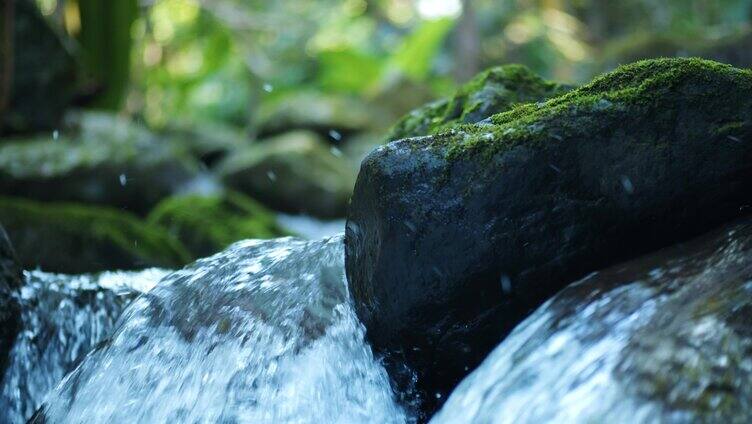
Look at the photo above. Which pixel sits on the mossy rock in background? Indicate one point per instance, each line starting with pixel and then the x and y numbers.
pixel 295 172
pixel 493 91
pixel 318 112
pixel 208 224
pixel 208 142
pixel 99 159
pixel 43 77
pixel 73 238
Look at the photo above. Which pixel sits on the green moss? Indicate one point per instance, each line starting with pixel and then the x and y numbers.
pixel 493 91
pixel 656 86
pixel 208 224
pixel 69 237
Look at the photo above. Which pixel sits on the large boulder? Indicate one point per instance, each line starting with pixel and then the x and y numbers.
pixel 452 239
pixel 10 312
pixel 73 238
pixel 296 172
pixel 493 91
pixel 98 158
pixel 666 338
pixel 210 223
pixel 43 75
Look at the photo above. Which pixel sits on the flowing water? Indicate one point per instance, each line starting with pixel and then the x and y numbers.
pixel 260 333
pixel 63 318
pixel 666 338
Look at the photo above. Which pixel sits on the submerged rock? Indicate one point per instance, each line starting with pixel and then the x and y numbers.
pixel 10 281
pixel 493 91
pixel 666 338
pixel 296 172
pixel 208 224
pixel 73 238
pixel 453 238
pixel 100 159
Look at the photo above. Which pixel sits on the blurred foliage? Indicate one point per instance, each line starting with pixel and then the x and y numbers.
pixel 223 60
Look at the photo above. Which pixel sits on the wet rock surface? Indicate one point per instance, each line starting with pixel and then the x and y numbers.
pixel 454 238
pixel 664 338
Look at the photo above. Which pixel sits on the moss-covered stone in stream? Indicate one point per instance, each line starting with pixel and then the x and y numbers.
pixel 73 238
pixel 493 91
pixel 97 158
pixel 208 224
pixel 656 89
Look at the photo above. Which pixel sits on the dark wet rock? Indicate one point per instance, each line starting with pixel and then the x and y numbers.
pixel 208 224
pixel 99 159
pixel 665 338
pixel 10 280
pixel 43 78
pixel 296 172
pixel 73 238
pixel 493 91
pixel 452 239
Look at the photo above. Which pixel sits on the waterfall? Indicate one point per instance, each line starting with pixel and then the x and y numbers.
pixel 261 332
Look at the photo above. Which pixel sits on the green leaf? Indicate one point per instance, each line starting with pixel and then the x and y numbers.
pixel 348 70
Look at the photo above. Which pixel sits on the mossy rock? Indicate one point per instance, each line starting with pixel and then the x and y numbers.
pixel 208 224
pixel 296 172
pixel 452 238
pixel 99 159
pixel 44 73
pixel 208 142
pixel 318 112
pixel 493 91
pixel 73 238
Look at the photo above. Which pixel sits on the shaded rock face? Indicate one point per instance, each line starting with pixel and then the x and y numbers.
pixel 665 338
pixel 73 238
pixel 101 159
pixel 10 281
pixel 295 172
pixel 493 91
pixel 43 77
pixel 452 239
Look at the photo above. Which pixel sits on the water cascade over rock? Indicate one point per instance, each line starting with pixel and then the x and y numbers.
pixel 62 318
pixel 262 332
pixel 666 338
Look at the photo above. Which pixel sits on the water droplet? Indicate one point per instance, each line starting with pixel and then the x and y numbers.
pixel 555 168
pixel 271 175
pixel 123 180
pixel 336 152
pixel 438 395
pixel 410 226
pixel 506 284
pixel 627 184
pixel 335 135
pixel 268 87
pixel 55 134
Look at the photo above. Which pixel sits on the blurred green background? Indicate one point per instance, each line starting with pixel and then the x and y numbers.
pixel 153 132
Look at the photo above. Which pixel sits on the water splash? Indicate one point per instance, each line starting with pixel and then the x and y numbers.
pixel 262 332
pixel 63 318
